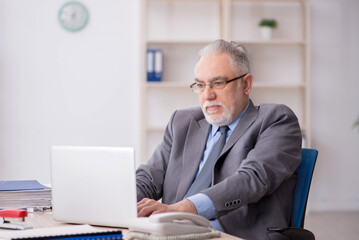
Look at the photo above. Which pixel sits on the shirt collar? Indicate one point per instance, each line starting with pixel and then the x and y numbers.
pixel 232 125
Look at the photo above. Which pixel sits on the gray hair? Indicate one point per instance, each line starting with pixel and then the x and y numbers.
pixel 237 53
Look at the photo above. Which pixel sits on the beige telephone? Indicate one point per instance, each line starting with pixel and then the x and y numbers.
pixel 172 223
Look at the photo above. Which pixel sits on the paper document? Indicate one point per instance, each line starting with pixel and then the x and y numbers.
pixel 24 194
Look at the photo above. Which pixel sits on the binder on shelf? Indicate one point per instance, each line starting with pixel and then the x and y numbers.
pixel 154 65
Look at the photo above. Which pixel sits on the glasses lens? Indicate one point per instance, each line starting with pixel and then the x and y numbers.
pixel 219 84
pixel 194 87
pixel 200 86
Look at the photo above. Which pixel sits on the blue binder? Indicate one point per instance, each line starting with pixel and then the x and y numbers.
pixel 107 235
pixel 92 236
pixel 154 65
pixel 21 185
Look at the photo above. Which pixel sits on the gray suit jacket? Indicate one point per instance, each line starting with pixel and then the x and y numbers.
pixel 254 177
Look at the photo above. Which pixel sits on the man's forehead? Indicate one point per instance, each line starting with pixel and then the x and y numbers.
pixel 211 79
pixel 214 66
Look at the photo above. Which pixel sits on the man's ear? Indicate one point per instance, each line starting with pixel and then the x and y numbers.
pixel 247 82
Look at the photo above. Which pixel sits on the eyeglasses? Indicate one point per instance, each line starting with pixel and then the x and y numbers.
pixel 199 87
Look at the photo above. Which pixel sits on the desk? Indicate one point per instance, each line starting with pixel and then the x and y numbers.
pixel 44 220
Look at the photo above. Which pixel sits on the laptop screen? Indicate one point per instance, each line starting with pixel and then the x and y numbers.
pixel 93 185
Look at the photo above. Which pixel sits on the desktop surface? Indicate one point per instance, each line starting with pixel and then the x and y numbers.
pixel 45 221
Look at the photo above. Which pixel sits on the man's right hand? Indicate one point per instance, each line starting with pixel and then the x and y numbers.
pixel 147 207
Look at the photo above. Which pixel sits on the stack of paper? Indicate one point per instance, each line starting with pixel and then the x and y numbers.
pixel 24 194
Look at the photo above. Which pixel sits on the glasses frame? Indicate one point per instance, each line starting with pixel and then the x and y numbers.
pixel 195 90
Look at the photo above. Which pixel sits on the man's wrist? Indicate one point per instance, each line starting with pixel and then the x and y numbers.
pixel 184 206
pixel 204 205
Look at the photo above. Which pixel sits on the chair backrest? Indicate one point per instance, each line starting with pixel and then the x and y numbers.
pixel 301 192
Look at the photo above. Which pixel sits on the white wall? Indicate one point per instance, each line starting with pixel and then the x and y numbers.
pixel 80 88
pixel 335 104
pixel 64 88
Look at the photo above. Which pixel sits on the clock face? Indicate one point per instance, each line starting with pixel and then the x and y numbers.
pixel 73 16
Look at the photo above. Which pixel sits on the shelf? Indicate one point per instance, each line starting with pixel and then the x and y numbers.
pixel 179 42
pixel 281 1
pixel 167 85
pixel 277 85
pixel 271 1
pixel 245 42
pixel 272 42
pixel 163 85
pixel 280 66
pixel 191 1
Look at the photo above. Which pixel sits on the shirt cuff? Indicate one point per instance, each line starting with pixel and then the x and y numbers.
pixel 204 205
pixel 216 225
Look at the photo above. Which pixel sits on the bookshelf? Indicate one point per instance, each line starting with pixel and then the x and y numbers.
pixel 280 66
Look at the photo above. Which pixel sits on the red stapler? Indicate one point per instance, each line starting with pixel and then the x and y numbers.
pixel 7 214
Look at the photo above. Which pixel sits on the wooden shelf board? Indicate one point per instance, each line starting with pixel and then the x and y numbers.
pixel 277 85
pixel 249 42
pixel 272 42
pixel 280 1
pixel 179 42
pixel 163 85
pixel 166 85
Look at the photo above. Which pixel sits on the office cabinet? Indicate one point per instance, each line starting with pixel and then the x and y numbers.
pixel 180 28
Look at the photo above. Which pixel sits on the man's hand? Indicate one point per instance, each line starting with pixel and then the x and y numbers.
pixel 147 207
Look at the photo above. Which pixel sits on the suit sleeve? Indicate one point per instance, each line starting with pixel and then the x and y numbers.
pixel 150 177
pixel 273 159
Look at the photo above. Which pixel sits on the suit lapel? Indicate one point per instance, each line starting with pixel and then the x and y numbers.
pixel 246 121
pixel 193 150
pixel 196 141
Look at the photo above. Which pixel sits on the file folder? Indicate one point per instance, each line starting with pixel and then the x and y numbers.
pixel 154 65
pixel 21 185
pixel 24 194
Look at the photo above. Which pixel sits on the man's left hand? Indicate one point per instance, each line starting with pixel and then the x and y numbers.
pixel 147 207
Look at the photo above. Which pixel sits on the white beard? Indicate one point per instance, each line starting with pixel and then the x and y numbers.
pixel 224 119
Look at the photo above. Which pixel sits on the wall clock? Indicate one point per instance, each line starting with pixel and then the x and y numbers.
pixel 73 16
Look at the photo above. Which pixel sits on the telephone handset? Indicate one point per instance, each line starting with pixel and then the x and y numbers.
pixel 172 223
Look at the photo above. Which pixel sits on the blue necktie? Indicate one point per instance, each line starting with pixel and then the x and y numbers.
pixel 204 178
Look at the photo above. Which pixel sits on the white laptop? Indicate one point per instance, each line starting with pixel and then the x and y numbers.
pixel 93 185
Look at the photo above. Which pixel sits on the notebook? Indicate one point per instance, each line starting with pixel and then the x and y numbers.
pixel 72 232
pixel 93 185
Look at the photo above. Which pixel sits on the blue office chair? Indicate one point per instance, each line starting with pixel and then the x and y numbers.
pixel 301 192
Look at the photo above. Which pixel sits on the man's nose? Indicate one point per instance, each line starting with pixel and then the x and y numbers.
pixel 209 93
